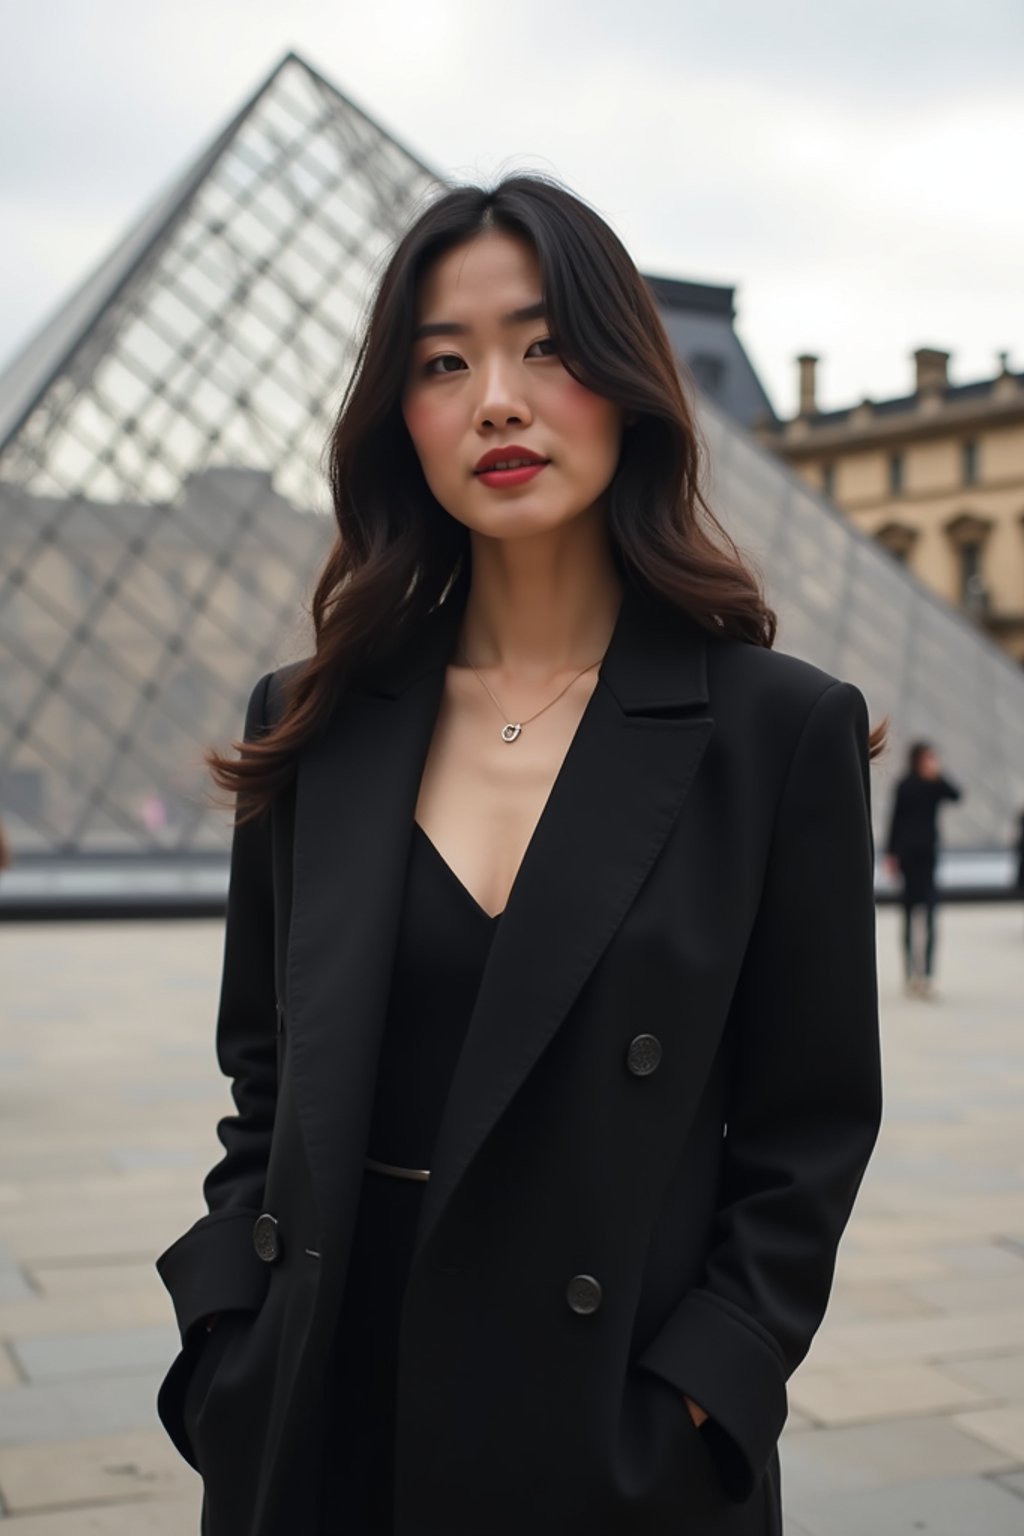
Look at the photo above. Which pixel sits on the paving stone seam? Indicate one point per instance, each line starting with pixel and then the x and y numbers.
pixel 824 1427
pixel 1001 1479
pixel 94 1260
pixel 26 1512
pixel 11 1355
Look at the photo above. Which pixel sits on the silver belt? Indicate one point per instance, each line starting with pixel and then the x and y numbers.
pixel 399 1173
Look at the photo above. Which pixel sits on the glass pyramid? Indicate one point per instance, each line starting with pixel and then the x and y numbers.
pixel 162 511
pixel 160 449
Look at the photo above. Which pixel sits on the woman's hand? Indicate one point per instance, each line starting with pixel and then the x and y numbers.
pixel 697 1413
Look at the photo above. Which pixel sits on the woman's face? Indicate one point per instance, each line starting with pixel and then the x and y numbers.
pixel 485 378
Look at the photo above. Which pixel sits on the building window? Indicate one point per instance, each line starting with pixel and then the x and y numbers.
pixel 896 473
pixel 970 462
pixel 898 539
pixel 828 479
pixel 973 595
pixel 968 534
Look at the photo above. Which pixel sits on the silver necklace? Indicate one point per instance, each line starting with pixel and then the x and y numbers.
pixel 513 728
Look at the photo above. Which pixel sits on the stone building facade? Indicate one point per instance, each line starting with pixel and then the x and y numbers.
pixel 937 477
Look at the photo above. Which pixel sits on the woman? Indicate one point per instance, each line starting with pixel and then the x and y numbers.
pixel 549 986
pixel 912 851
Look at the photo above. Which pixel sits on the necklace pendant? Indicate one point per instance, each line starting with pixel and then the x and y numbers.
pixel 510 732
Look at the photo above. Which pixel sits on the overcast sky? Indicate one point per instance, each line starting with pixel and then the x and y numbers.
pixel 854 171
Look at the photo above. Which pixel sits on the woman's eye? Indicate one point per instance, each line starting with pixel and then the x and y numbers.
pixel 434 365
pixel 445 357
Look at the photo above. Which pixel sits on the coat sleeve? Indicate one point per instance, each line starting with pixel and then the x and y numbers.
pixel 214 1267
pixel 804 1102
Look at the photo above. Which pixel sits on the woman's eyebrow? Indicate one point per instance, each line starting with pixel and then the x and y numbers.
pixel 453 328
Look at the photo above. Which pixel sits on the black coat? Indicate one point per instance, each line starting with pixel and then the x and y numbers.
pixel 914 834
pixel 665 1103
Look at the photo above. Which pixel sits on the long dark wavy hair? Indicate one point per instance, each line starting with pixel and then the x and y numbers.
pixel 397 550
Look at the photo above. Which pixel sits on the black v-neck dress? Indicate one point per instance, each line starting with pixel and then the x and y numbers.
pixel 443 942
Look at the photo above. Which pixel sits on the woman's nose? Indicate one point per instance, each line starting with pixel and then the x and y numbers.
pixel 502 399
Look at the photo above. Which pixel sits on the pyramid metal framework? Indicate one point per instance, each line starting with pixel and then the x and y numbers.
pixel 162 507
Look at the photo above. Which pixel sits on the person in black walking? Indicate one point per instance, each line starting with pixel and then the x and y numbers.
pixel 912 850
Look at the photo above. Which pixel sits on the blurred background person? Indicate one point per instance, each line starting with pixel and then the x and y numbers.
pixel 912 851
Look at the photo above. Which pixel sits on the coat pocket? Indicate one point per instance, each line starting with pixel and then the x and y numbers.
pixel 211 1350
pixel 664 1461
pixel 184 1389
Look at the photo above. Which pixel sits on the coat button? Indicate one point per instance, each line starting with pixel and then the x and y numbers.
pixel 583 1294
pixel 265 1238
pixel 643 1055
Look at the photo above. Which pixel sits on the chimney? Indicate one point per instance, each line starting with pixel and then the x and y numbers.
pixel 1005 384
pixel 808 405
pixel 932 375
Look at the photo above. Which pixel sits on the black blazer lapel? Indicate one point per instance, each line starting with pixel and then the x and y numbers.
pixel 619 790
pixel 356 793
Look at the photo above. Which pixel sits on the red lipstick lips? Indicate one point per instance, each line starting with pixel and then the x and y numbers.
pixel 522 464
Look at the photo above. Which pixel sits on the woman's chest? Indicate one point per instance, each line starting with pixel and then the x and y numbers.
pixel 483 790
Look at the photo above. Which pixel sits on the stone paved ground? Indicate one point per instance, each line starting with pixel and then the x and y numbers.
pixel 908 1415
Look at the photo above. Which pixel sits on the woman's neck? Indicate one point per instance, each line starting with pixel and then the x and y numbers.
pixel 539 607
